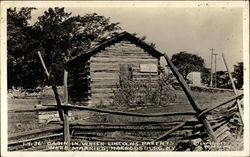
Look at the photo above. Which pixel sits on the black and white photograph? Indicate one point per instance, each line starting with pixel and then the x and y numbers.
pixel 124 78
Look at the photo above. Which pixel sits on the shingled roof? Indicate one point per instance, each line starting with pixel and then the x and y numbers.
pixel 112 41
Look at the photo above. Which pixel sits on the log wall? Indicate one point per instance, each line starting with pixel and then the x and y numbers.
pixel 79 83
pixel 105 69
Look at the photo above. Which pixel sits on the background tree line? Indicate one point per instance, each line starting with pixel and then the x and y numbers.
pixel 59 36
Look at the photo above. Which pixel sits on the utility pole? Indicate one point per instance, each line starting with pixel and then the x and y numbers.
pixel 215 80
pixel 211 80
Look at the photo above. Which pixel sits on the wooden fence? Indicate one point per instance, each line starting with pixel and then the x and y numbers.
pixel 202 124
pixel 75 129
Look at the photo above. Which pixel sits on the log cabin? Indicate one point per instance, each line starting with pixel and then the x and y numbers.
pixel 93 75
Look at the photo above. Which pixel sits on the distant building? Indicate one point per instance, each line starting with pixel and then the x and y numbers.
pixel 195 78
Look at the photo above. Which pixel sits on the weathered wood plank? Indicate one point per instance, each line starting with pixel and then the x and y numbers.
pixel 112 65
pixel 221 130
pixel 101 90
pixel 112 75
pixel 139 78
pixel 101 95
pixel 127 60
pixel 145 74
pixel 93 86
pixel 104 75
pixel 224 135
pixel 104 81
pixel 124 56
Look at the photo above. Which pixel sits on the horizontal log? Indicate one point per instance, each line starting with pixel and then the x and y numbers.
pixel 82 122
pixel 220 104
pixel 112 70
pixel 124 55
pixel 123 49
pixel 112 65
pixel 103 85
pixel 218 125
pixel 152 74
pixel 142 61
pixel 159 123
pixel 69 107
pixel 166 135
pixel 122 60
pixel 104 81
pixel 35 131
pixel 104 75
pixel 115 76
pixel 223 135
pixel 221 130
pixel 127 128
pixel 146 78
pixel 100 94
pixel 33 110
pixel 102 90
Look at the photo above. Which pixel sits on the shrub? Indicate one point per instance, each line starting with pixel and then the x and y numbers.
pixel 133 92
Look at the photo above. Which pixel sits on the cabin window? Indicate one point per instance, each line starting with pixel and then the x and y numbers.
pixel 126 72
pixel 148 68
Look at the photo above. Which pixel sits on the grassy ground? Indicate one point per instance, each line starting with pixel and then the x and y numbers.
pixel 27 121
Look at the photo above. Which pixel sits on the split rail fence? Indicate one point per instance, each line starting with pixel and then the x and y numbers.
pixel 210 123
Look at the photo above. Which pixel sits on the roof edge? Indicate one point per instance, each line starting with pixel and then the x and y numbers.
pixel 113 40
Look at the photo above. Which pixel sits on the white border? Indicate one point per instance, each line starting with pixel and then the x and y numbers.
pixel 117 4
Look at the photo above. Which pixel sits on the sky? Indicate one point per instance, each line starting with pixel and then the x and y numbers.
pixel 194 30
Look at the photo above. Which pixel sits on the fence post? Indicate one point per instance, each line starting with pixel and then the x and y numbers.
pixel 51 79
pixel 234 88
pixel 191 99
pixel 66 133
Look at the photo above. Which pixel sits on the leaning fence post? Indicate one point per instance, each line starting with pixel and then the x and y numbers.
pixel 191 99
pixel 234 88
pixel 66 133
pixel 51 79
